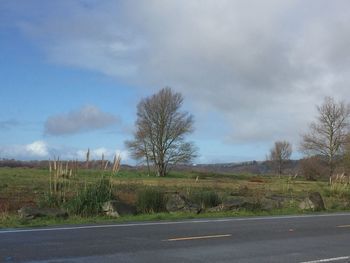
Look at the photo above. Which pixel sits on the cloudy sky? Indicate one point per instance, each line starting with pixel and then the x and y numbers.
pixel 251 72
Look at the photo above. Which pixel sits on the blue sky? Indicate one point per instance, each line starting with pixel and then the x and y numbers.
pixel 73 71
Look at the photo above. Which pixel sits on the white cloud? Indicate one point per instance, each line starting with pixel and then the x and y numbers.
pixel 38 148
pixel 84 119
pixel 34 150
pixel 41 150
pixel 97 154
pixel 262 65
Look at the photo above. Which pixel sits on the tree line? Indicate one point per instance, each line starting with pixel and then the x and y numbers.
pixel 161 128
pixel 326 144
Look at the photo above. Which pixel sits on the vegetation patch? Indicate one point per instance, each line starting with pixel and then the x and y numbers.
pixel 151 200
pixel 88 200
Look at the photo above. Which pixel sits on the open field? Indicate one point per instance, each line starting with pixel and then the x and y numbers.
pixel 27 186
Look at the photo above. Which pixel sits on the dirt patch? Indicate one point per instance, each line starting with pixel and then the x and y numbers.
pixel 257 180
pixel 127 197
pixel 13 204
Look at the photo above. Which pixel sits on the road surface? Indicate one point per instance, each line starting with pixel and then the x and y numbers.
pixel 314 238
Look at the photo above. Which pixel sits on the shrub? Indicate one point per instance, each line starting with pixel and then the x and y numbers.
pixel 313 168
pixel 89 200
pixel 151 200
pixel 50 200
pixel 205 198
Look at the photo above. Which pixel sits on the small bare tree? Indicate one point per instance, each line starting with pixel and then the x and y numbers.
pixel 160 131
pixel 327 136
pixel 279 154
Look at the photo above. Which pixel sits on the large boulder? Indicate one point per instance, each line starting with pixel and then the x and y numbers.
pixel 267 204
pixel 233 203
pixel 314 202
pixel 241 202
pixel 179 203
pixel 116 208
pixel 33 212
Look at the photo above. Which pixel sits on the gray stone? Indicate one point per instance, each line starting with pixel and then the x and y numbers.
pixel 233 203
pixel 269 204
pixel 241 202
pixel 317 200
pixel 32 212
pixel 306 204
pixel 117 208
pixel 313 202
pixel 218 208
pixel 110 208
pixel 179 203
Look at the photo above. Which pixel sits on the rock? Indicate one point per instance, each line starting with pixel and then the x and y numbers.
pixel 179 203
pixel 240 203
pixel 218 208
pixel 32 212
pixel 317 200
pixel 110 208
pixel 233 203
pixel 306 205
pixel 117 208
pixel 278 198
pixel 269 204
pixel 313 202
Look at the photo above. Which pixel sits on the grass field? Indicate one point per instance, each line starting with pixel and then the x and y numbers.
pixel 26 187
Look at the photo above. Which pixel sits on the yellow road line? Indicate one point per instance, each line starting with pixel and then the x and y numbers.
pixel 343 226
pixel 198 237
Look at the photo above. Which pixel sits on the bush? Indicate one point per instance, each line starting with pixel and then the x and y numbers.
pixel 205 198
pixel 313 168
pixel 50 200
pixel 151 200
pixel 89 200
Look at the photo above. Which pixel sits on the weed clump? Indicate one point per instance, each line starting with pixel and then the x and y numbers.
pixel 50 200
pixel 205 198
pixel 151 200
pixel 89 200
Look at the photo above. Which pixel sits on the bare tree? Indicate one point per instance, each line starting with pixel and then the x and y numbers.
pixel 279 154
pixel 327 136
pixel 139 148
pixel 160 131
pixel 346 155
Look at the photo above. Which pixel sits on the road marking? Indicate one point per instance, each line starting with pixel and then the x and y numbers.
pixel 198 237
pixel 327 260
pixel 197 221
pixel 343 226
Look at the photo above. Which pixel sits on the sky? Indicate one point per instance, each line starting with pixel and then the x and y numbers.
pixel 251 72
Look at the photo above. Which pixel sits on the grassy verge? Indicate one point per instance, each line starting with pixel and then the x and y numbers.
pixel 28 187
pixel 13 221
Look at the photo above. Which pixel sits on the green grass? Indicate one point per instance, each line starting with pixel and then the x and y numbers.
pixel 25 186
pixel 151 200
pixel 13 221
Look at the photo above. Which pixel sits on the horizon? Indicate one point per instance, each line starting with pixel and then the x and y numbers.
pixel 73 73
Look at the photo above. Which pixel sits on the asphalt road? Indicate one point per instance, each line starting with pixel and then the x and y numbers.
pixel 317 238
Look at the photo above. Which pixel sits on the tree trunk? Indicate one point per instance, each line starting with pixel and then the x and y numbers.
pixel 279 169
pixel 161 170
pixel 147 158
pixel 331 169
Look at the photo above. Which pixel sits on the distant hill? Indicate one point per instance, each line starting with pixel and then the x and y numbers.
pixel 254 167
